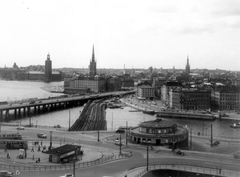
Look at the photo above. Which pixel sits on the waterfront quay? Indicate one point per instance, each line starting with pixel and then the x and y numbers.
pixel 22 109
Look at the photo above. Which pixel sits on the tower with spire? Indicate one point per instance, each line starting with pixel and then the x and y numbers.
pixel 93 65
pixel 48 69
pixel 187 70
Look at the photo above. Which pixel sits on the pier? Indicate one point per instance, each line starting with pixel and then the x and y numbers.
pixel 39 106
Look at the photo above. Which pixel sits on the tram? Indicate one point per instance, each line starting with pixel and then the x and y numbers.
pixel 17 136
pixel 13 144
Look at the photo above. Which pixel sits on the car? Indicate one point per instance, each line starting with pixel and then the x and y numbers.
pixel 120 130
pixel 178 152
pixel 41 135
pixel 68 175
pixel 32 102
pixel 20 128
pixel 6 173
pixel 57 126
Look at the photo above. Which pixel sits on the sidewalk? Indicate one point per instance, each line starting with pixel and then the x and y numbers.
pixel 90 153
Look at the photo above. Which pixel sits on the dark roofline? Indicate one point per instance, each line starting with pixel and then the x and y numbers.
pixel 62 149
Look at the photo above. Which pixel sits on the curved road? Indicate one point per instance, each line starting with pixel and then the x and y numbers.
pixel 139 156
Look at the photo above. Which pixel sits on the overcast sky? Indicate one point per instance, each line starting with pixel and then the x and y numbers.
pixel 137 33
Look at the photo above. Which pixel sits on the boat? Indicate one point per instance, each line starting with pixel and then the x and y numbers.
pixel 151 112
pixel 187 115
pixel 235 125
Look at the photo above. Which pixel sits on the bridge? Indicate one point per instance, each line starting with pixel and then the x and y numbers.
pixel 38 106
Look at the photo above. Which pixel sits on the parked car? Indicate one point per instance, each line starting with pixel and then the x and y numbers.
pixel 178 152
pixel 20 128
pixel 68 175
pixel 6 173
pixel 41 135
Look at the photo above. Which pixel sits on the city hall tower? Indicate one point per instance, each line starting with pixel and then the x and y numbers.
pixel 48 69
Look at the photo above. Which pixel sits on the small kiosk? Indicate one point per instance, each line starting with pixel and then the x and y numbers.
pixel 65 154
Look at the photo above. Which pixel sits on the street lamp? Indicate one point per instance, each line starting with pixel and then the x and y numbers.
pixel 50 147
pixel 148 141
pixel 120 145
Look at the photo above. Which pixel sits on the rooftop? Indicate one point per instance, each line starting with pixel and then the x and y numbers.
pixel 158 123
pixel 62 149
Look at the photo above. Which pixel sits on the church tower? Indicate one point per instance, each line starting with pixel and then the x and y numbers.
pixel 48 69
pixel 93 65
pixel 187 66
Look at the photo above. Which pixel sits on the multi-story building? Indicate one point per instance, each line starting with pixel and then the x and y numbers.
pixel 190 98
pixel 113 84
pixel 226 98
pixel 165 91
pixel 85 84
pixel 145 91
pixel 126 83
pixel 157 84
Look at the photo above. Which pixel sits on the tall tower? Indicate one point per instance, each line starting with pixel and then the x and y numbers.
pixel 187 66
pixel 93 65
pixel 48 69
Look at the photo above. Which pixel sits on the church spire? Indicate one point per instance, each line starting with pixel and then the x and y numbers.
pixel 187 66
pixel 93 55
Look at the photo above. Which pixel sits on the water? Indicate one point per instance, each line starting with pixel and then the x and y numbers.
pixel 14 90
pixel 18 90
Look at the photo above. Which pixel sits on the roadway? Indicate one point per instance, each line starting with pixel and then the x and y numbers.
pixel 225 161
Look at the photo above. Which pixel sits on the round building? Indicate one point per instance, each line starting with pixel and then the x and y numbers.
pixel 160 132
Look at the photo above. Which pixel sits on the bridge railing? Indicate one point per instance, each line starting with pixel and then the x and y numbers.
pixel 184 167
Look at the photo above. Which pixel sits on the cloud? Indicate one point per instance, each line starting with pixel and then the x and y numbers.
pixel 226 8
pixel 195 30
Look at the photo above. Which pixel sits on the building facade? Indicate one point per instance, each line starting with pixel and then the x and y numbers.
pixel 85 84
pixel 165 91
pixel 113 84
pixel 190 99
pixel 226 98
pixel 160 132
pixel 145 91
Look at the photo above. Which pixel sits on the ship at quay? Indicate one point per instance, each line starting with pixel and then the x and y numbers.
pixel 187 115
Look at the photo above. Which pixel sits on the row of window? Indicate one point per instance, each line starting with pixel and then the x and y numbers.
pixel 154 131
pixel 163 141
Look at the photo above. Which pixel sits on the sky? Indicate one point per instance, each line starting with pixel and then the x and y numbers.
pixel 134 33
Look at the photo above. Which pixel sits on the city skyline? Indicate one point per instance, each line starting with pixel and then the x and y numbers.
pixel 137 34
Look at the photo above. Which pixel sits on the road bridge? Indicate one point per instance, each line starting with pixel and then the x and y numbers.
pixel 38 106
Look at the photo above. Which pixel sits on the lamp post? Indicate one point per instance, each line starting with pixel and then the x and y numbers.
pixel 148 141
pixel 69 121
pixel 120 145
pixel 50 147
